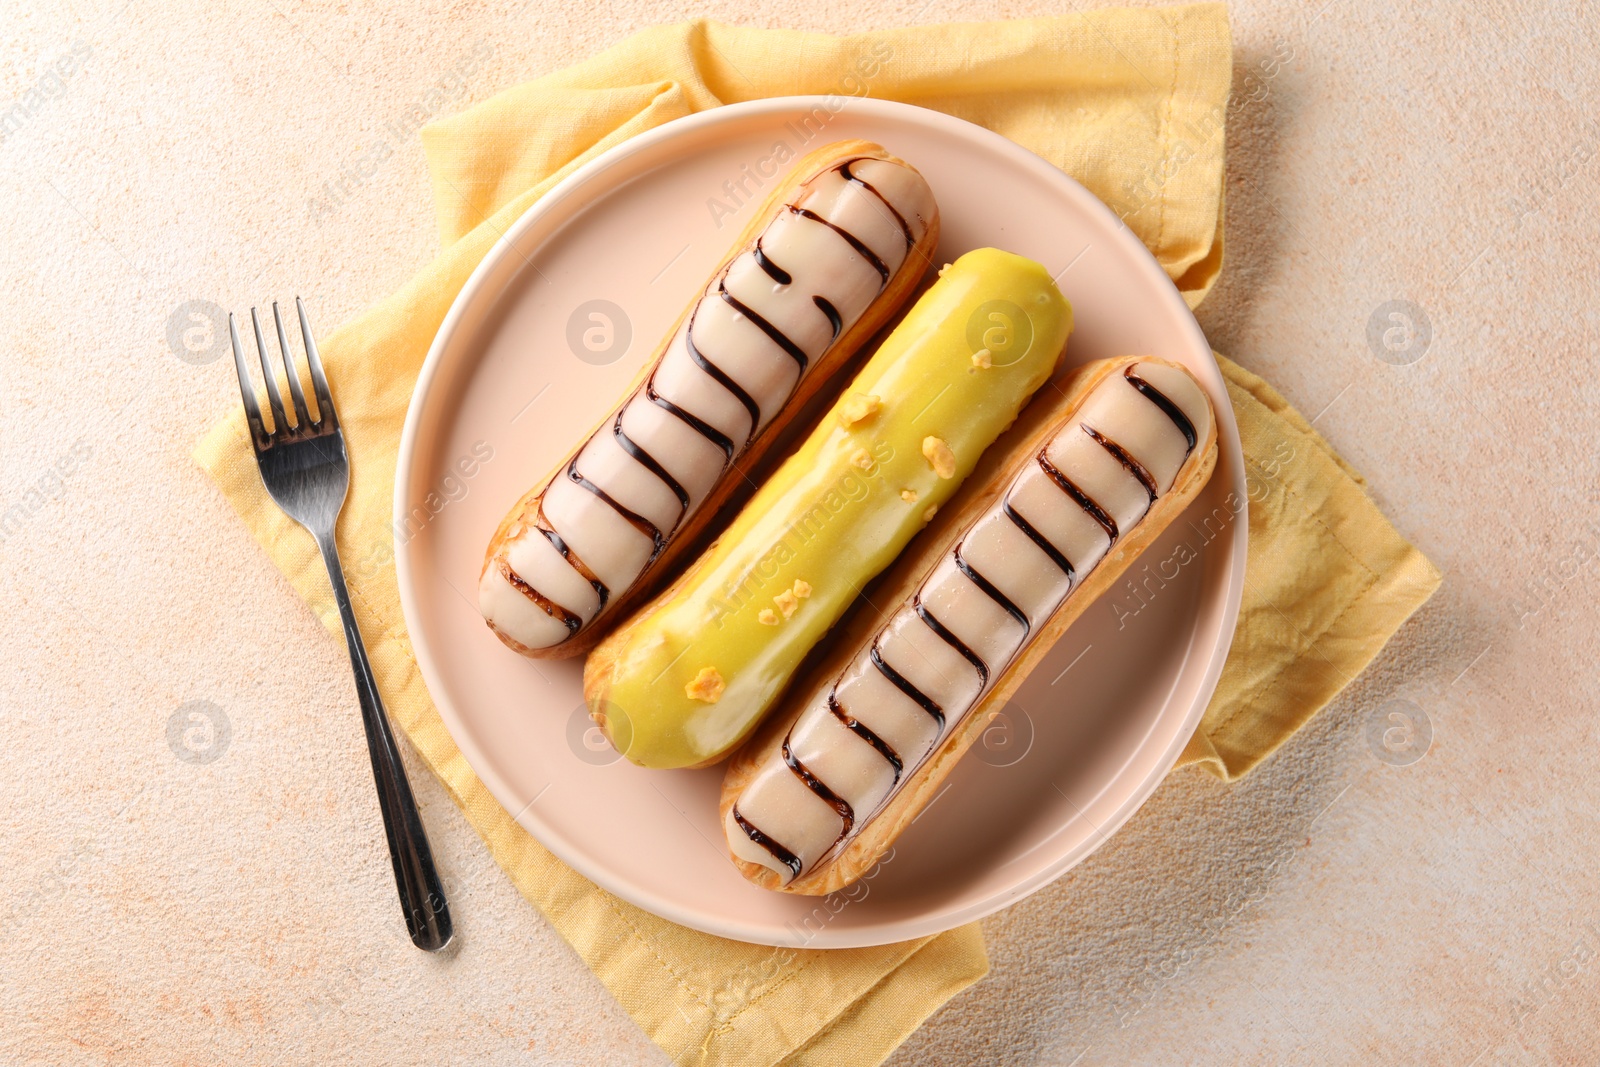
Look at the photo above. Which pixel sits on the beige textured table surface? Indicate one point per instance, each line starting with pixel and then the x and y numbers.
pixel 1335 907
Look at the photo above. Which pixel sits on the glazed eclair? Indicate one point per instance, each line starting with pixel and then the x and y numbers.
pixel 683 682
pixel 839 244
pixel 813 800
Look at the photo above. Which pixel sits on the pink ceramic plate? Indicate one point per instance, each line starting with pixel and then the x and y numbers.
pixel 541 342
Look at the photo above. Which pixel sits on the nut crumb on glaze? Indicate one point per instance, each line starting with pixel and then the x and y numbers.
pixel 707 686
pixel 939 456
pixel 768 617
pixel 861 458
pixel 927 516
pixel 908 495
pixel 787 602
pixel 982 359
pixel 858 407
pixel 802 588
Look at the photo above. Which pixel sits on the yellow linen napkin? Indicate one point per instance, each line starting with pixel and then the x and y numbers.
pixel 1327 582
pixel 1131 104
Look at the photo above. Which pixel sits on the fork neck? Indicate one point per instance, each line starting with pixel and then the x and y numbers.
pixel 329 548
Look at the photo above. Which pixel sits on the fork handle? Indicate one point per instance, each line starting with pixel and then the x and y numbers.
pixel 426 910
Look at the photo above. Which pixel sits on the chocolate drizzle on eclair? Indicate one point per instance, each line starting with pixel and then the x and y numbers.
pixel 862 731
pixel 835 322
pixel 999 572
pixel 898 680
pixel 694 422
pixel 905 227
pixel 1129 464
pixel 722 377
pixel 847 814
pixel 700 421
pixel 1162 401
pixel 779 338
pixel 650 463
pixel 550 607
pixel 779 853
pixel 775 272
pixel 577 564
pixel 851 239
pixel 1032 533
pixel 949 638
pixel 1079 497
pixel 658 540
pixel 991 591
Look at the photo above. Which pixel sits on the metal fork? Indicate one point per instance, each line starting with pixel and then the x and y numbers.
pixel 307 472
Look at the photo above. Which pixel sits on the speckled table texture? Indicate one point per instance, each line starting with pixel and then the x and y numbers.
pixel 1333 907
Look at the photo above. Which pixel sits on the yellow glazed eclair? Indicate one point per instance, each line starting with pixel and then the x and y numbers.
pixel 1087 481
pixel 686 679
pixel 839 244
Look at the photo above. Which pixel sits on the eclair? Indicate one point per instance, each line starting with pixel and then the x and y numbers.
pixel 685 680
pixel 1091 478
pixel 833 252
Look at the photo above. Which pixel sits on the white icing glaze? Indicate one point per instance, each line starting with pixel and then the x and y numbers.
pixel 794 817
pixel 850 207
pixel 919 656
pixel 820 264
pixel 497 595
pixel 1063 523
pixel 527 555
pixel 1019 568
pixel 826 746
pixel 692 461
pixel 618 550
pixel 873 701
pixel 784 306
pixel 604 462
pixel 792 238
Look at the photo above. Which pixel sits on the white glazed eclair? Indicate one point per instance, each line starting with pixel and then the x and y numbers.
pixel 837 247
pixel 1072 497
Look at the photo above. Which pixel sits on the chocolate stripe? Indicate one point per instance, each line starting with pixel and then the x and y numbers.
pixel 1045 544
pixel 694 422
pixel 855 242
pixel 992 592
pixel 951 639
pixel 545 604
pixel 923 701
pixel 649 462
pixel 1122 456
pixel 832 312
pixel 839 804
pixel 1069 487
pixel 775 272
pixel 699 425
pixel 862 731
pixel 1162 401
pixel 722 377
pixel 779 338
pixel 779 853
pixel 542 525
pixel 905 228
pixel 632 518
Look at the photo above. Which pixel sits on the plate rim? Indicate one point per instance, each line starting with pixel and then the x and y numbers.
pixel 927 923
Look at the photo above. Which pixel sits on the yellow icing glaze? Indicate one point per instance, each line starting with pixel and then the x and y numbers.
pixel 828 519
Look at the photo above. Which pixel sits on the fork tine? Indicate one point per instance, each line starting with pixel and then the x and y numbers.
pixel 247 392
pixel 303 417
pixel 280 422
pixel 319 381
